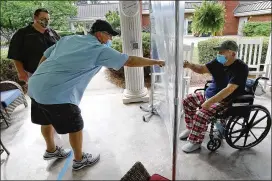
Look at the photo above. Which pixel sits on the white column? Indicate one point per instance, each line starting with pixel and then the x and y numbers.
pixel 72 26
pixel 84 28
pixel 131 30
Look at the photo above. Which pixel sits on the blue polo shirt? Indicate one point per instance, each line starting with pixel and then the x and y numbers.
pixel 70 65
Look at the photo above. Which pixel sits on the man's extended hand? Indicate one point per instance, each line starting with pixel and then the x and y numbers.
pixel 207 105
pixel 186 64
pixel 161 63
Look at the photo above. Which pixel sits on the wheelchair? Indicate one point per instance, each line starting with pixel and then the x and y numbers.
pixel 239 121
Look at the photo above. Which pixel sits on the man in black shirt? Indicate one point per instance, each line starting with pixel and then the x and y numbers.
pixel 229 78
pixel 28 44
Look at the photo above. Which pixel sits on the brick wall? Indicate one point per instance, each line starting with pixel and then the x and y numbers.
pixel 265 17
pixel 145 20
pixel 231 22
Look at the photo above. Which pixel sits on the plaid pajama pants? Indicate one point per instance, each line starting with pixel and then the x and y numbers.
pixel 197 118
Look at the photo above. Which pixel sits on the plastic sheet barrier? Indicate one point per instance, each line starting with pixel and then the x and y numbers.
pixel 163 44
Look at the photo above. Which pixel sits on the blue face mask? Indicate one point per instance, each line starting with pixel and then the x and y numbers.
pixel 109 43
pixel 221 59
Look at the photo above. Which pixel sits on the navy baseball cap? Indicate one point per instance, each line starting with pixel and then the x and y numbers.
pixel 228 45
pixel 101 25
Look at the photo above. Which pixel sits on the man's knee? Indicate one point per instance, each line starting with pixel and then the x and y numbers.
pixel 193 100
pixel 203 115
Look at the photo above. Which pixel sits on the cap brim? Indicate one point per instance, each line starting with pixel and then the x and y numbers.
pixel 218 48
pixel 114 33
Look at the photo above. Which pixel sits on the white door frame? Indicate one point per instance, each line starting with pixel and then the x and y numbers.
pixel 242 21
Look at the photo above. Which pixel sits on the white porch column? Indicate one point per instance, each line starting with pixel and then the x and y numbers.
pixel 268 66
pixel 84 28
pixel 72 26
pixel 131 30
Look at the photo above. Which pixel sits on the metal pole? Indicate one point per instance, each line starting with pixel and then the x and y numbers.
pixel 176 98
pixel 151 67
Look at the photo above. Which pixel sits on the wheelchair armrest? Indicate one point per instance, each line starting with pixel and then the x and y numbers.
pixel 209 81
pixel 244 99
pixel 205 87
pixel 199 90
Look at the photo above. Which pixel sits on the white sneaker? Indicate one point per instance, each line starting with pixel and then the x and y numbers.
pixel 58 153
pixel 190 147
pixel 184 134
pixel 87 160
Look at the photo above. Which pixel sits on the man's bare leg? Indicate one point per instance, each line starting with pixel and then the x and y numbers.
pixel 76 144
pixel 48 135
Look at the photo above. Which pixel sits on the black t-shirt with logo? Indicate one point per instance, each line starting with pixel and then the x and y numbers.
pixel 28 45
pixel 235 73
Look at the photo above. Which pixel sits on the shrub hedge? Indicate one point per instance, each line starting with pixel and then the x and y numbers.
pixel 206 52
pixel 257 28
pixel 117 45
pixel 67 33
pixel 8 72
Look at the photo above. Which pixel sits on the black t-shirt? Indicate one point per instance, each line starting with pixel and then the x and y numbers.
pixel 236 73
pixel 28 45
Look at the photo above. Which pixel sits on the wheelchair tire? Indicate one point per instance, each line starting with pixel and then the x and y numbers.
pixel 214 144
pixel 248 124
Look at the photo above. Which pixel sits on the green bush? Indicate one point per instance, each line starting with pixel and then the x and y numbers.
pixel 9 72
pixel 67 33
pixel 206 52
pixel 257 29
pixel 117 45
pixel 4 43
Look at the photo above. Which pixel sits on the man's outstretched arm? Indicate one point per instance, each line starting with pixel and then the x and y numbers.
pixel 134 61
pixel 200 69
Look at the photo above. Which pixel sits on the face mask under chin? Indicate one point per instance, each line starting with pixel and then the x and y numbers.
pixel 108 43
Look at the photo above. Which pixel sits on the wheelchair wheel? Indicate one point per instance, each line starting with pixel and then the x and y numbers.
pixel 242 131
pixel 214 144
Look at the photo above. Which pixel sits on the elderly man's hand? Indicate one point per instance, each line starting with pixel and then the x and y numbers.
pixel 186 64
pixel 207 105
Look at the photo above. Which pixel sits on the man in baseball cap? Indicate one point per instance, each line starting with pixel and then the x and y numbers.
pixel 103 26
pixel 57 86
pixel 229 76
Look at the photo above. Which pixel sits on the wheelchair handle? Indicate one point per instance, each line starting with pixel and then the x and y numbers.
pixel 263 78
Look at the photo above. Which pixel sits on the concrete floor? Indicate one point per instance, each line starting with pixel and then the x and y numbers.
pixel 122 138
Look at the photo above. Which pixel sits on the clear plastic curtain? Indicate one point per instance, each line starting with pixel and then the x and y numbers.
pixel 164 22
pixel 162 17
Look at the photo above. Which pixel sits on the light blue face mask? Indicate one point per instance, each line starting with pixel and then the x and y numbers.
pixel 109 43
pixel 221 59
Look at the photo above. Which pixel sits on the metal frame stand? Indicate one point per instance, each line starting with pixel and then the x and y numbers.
pixel 150 108
pixel 4 148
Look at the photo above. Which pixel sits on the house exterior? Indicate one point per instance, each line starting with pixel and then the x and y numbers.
pixel 251 11
pixel 237 13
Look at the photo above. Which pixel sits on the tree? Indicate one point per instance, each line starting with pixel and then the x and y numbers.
pixel 17 14
pixel 113 18
pixel 209 17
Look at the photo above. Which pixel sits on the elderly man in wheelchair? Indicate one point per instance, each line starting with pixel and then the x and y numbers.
pixel 228 86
